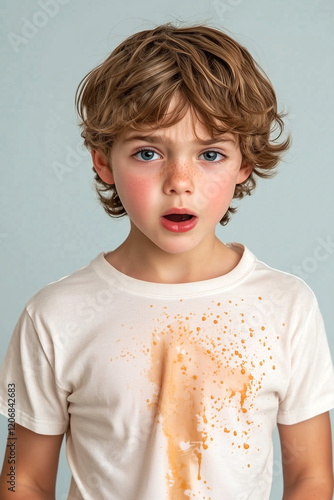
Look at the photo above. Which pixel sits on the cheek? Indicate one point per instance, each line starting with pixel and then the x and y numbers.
pixel 218 191
pixel 135 192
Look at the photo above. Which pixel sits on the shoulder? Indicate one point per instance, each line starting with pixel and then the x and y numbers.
pixel 276 292
pixel 282 283
pixel 67 293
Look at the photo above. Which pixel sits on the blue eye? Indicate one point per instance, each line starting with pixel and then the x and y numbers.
pixel 212 156
pixel 146 155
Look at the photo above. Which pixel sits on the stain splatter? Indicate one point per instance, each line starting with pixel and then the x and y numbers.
pixel 198 368
pixel 189 377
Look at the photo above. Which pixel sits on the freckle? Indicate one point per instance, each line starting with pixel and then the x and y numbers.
pixel 226 430
pixel 151 305
pixel 274 367
pixel 246 446
pixel 215 321
pixel 203 318
pixel 262 328
pixel 235 433
pixel 260 298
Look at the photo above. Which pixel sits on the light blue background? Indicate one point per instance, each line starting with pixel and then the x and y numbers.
pixel 52 225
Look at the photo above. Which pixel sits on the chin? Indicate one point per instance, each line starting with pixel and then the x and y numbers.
pixel 176 248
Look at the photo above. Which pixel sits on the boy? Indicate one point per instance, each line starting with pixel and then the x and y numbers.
pixel 169 360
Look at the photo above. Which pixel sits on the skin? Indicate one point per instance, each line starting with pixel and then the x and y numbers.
pixel 307 459
pixel 177 173
pixel 36 465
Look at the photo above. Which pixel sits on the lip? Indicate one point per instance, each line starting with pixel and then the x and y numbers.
pixel 182 226
pixel 179 211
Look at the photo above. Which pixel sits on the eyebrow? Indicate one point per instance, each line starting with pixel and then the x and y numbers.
pixel 156 139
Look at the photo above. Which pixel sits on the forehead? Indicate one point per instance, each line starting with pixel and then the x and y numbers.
pixel 189 128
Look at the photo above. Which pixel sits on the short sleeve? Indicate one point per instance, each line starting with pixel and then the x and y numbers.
pixel 40 405
pixel 311 386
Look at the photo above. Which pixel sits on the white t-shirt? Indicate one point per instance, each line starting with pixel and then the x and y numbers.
pixel 169 391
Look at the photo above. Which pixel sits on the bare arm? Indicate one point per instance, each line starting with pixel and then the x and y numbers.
pixel 36 464
pixel 307 459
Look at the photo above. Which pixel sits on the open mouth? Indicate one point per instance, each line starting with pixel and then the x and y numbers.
pixel 178 217
pixel 179 222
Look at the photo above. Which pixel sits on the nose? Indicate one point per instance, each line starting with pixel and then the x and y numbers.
pixel 179 178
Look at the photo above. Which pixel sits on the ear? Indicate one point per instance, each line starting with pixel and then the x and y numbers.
pixel 244 172
pixel 102 167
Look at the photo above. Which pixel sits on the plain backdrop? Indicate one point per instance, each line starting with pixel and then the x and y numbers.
pixel 51 223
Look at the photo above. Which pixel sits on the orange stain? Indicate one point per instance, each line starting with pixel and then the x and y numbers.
pixel 195 377
pixel 183 370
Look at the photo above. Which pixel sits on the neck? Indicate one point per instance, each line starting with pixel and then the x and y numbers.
pixel 150 263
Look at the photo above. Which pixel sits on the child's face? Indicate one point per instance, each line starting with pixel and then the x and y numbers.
pixel 174 186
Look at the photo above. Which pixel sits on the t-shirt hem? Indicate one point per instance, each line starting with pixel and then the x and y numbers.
pixel 39 426
pixel 294 417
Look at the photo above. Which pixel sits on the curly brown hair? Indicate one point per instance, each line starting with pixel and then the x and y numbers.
pixel 213 74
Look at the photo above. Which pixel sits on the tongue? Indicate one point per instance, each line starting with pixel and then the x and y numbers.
pixel 178 217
